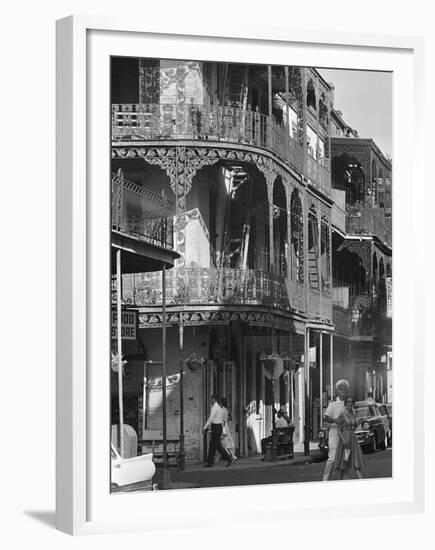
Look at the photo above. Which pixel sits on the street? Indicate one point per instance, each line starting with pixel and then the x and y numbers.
pixel 378 465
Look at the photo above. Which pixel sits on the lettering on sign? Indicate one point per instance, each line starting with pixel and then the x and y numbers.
pixel 128 325
pixel 362 357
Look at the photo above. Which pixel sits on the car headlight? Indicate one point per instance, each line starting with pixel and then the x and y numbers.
pixel 366 426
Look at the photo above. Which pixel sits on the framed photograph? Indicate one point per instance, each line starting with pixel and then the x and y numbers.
pixel 232 329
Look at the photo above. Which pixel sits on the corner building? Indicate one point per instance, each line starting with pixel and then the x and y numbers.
pixel 244 152
pixel 362 262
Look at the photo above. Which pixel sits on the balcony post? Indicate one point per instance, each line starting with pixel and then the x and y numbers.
pixel 307 394
pixel 181 343
pixel 331 365
pixel 287 100
pixel 304 121
pixel 329 157
pixel 318 133
pixel 119 344
pixel 165 480
pixel 269 183
pixel 321 378
pixel 269 94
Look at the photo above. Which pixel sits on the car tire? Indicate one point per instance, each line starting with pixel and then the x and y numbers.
pixel 383 445
pixel 374 444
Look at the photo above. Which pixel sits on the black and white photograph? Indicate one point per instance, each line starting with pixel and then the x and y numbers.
pixel 251 274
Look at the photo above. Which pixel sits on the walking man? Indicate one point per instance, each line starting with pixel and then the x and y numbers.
pixel 215 423
pixel 333 411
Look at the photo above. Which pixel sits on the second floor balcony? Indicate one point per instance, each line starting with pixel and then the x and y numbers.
pixel 208 287
pixel 360 310
pixel 162 122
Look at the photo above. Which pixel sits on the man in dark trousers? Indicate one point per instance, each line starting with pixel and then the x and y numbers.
pixel 215 423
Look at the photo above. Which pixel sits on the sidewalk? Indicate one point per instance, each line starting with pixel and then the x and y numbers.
pixel 257 461
pixel 188 478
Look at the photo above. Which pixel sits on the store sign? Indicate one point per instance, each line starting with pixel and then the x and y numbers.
pixel 362 357
pixel 128 325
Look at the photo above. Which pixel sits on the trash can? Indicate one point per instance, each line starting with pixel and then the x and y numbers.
pixel 268 452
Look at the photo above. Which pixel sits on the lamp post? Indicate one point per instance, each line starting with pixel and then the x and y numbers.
pixel 181 464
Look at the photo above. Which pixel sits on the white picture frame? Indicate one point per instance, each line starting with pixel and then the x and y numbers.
pixel 83 500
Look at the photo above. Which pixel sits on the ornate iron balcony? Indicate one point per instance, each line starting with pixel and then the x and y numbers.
pixel 368 220
pixel 150 122
pixel 140 213
pixel 208 286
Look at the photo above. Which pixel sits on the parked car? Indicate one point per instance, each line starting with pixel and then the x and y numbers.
pixel 373 432
pixel 127 471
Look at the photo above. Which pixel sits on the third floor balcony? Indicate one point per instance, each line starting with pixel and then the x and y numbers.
pixel 216 123
pixel 368 220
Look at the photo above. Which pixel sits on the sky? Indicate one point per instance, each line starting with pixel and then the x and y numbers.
pixel 365 99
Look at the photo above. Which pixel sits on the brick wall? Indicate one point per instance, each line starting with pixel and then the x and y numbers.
pixel 193 385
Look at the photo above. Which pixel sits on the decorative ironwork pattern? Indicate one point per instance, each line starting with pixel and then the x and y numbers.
pixel 367 220
pixel 297 237
pixel 145 122
pixel 173 160
pixel 114 293
pixel 141 213
pixel 209 286
pixel 325 251
pixel 254 319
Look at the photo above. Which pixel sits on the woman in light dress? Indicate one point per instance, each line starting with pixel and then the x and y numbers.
pixel 349 454
pixel 227 440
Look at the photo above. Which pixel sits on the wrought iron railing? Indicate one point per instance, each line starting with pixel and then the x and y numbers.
pixel 363 302
pixel 319 304
pixel 318 173
pixel 367 220
pixel 215 122
pixel 207 286
pixel 338 211
pixel 141 213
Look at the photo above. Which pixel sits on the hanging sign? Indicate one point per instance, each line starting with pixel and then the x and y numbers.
pixel 128 325
pixel 273 366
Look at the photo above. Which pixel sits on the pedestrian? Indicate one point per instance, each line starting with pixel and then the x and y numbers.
pixel 280 421
pixel 227 440
pixel 348 455
pixel 370 398
pixel 215 423
pixel 333 411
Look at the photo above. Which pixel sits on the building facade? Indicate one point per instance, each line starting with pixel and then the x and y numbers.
pixel 245 154
pixel 362 263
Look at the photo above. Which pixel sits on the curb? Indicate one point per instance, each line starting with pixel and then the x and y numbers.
pixel 298 461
